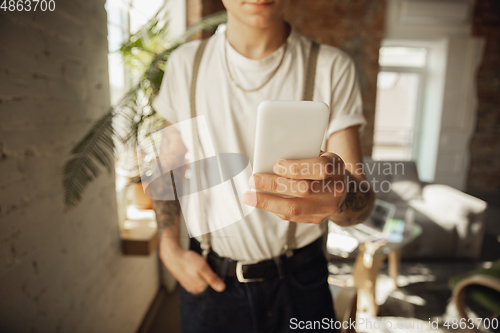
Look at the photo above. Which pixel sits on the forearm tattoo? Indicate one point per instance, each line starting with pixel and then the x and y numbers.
pixel 357 200
pixel 167 213
pixel 172 154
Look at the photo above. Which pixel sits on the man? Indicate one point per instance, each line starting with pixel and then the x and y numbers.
pixel 260 57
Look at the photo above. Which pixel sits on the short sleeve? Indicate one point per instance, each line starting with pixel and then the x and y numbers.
pixel 346 105
pixel 164 103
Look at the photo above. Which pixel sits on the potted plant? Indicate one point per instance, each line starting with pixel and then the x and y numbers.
pixel 133 117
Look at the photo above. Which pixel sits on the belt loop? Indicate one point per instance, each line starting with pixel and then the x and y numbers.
pixel 279 265
pixel 224 268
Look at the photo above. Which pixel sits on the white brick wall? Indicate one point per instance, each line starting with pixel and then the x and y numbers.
pixel 59 271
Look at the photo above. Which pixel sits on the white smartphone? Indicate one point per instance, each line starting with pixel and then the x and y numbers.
pixel 288 130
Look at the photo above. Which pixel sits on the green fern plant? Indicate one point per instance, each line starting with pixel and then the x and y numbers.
pixel 148 51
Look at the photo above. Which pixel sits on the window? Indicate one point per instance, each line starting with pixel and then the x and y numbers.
pixel 399 85
pixel 125 18
pixel 118 32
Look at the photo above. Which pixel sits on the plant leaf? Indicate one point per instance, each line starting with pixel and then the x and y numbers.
pixel 96 149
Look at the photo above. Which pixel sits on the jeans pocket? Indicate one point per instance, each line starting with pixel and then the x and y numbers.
pixel 311 276
pixel 197 295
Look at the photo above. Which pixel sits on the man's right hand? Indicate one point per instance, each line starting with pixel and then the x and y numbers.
pixel 190 269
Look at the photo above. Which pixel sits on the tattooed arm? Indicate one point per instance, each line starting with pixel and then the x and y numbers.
pixel 167 217
pixel 357 204
pixel 188 267
pixel 329 186
pixel 359 198
pixel 172 154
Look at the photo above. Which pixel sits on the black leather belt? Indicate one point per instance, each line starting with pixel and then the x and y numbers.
pixel 254 271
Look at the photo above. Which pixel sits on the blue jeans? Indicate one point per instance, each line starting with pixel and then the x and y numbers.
pixel 273 305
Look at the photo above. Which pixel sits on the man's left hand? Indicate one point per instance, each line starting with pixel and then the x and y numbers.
pixel 315 189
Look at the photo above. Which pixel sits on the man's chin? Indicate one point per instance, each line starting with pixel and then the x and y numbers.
pixel 261 21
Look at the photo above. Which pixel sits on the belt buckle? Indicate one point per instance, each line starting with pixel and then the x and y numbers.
pixel 239 271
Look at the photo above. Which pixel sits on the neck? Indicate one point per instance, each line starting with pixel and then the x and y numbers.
pixel 256 43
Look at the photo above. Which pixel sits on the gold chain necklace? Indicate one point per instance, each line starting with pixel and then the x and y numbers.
pixel 265 82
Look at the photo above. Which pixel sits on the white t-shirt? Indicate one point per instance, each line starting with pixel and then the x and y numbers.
pixel 230 114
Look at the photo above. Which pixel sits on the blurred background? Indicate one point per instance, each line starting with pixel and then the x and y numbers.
pixel 87 261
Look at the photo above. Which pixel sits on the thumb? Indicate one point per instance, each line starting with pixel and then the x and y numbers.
pixel 211 278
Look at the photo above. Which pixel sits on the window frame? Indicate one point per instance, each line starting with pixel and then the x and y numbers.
pixel 420 97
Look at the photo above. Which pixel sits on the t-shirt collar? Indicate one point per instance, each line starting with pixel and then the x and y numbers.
pixel 238 60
